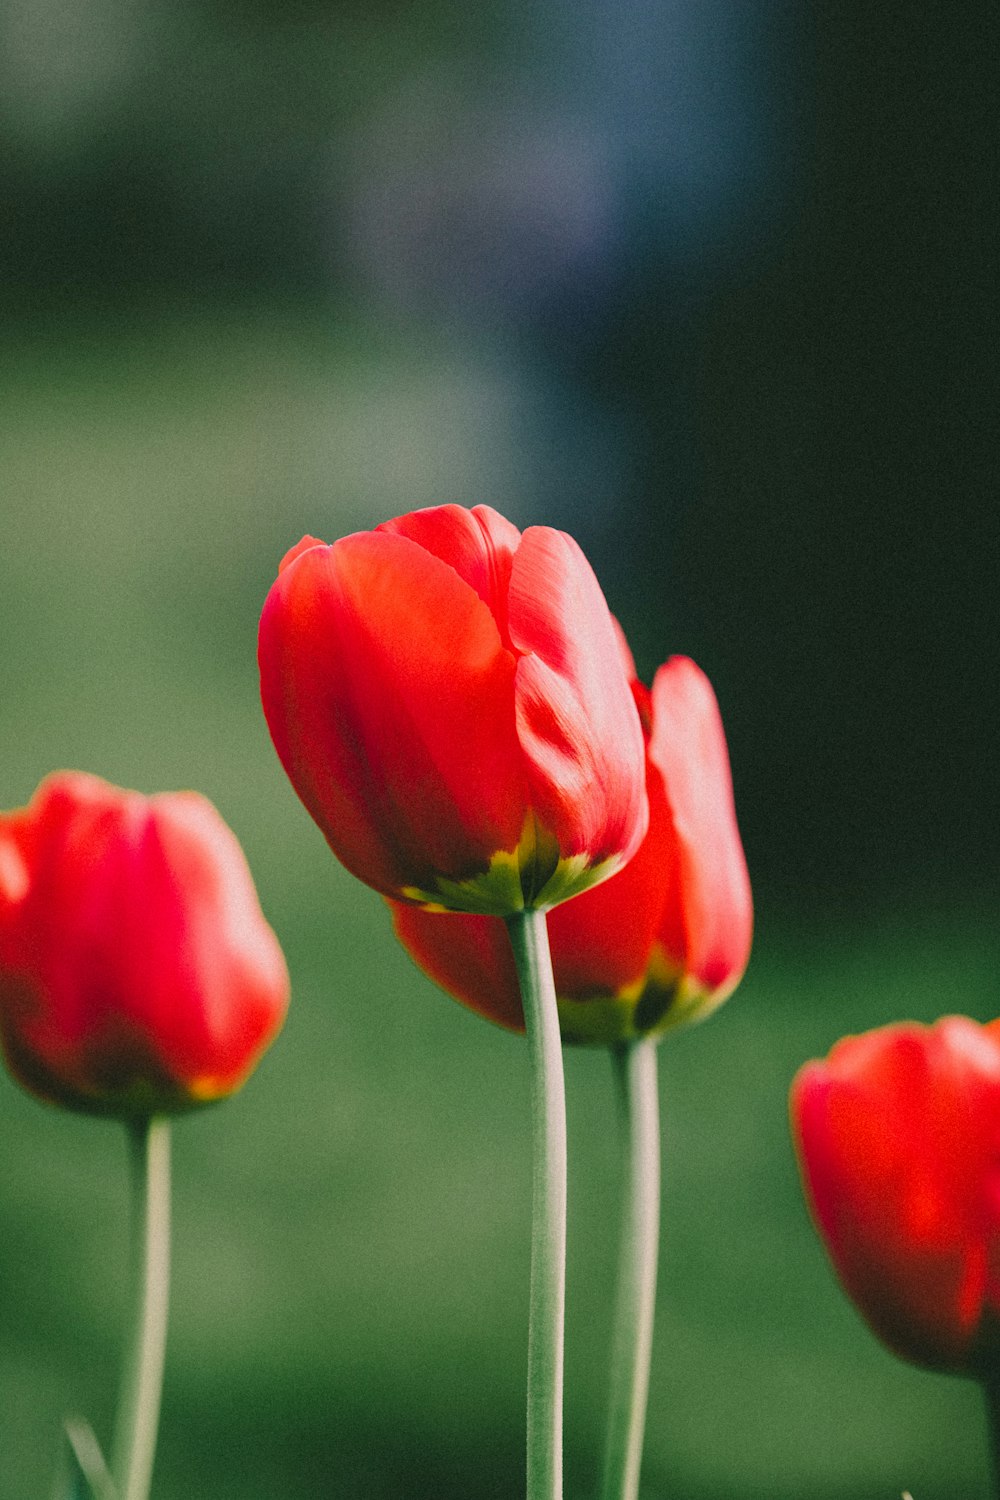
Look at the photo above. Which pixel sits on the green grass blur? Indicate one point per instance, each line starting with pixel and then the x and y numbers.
pixel 349 1306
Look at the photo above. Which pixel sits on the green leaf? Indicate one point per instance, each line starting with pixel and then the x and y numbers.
pixel 83 1473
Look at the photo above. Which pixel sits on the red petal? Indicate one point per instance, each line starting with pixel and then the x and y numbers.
pixel 469 956
pixel 625 651
pixel 898 1133
pixel 389 696
pixel 293 552
pixel 576 719
pixel 708 920
pixel 479 544
pixel 211 969
pixel 601 941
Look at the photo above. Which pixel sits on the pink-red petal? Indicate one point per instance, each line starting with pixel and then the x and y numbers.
pixel 468 955
pixel 899 1137
pixel 576 719
pixel 401 746
pixel 479 544
pixel 707 921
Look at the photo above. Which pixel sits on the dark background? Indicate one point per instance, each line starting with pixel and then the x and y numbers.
pixel 758 250
pixel 710 285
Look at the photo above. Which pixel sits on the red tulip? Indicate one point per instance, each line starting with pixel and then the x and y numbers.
pixel 137 973
pixel 662 942
pixel 448 699
pixel 898 1134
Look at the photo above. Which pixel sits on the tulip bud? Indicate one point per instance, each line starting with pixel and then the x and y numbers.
pixel 448 699
pixel 662 942
pixel 898 1136
pixel 137 973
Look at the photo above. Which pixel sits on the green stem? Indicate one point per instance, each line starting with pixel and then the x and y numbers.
pixel 530 941
pixel 632 1339
pixel 991 1393
pixel 142 1372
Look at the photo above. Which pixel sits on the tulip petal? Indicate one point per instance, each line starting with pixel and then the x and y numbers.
pixel 602 939
pixel 304 545
pixel 402 747
pixel 469 956
pixel 14 877
pixel 207 907
pixel 707 922
pixel 479 544
pixel 576 719
pixel 898 1134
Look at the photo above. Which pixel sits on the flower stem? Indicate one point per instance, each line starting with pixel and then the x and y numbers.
pixel 530 940
pixel 142 1372
pixel 991 1394
pixel 632 1338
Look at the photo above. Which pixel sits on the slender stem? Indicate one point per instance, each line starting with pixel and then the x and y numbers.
pixel 632 1339
pixel 142 1372
pixel 530 940
pixel 991 1393
pixel 84 1474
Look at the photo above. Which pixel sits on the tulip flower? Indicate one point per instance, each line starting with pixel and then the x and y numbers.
pixel 137 973
pixel 661 943
pixel 138 978
pixel 898 1136
pixel 448 698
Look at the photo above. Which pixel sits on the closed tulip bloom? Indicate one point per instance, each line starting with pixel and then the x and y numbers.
pixel 448 699
pixel 660 943
pixel 137 973
pixel 898 1135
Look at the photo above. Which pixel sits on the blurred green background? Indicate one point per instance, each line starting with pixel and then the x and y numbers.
pixel 710 285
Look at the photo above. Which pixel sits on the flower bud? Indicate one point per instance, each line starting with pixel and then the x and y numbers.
pixel 448 699
pixel 898 1136
pixel 137 972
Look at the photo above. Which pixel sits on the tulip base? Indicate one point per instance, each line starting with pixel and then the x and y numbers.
pixel 530 942
pixel 142 1372
pixel 632 1339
